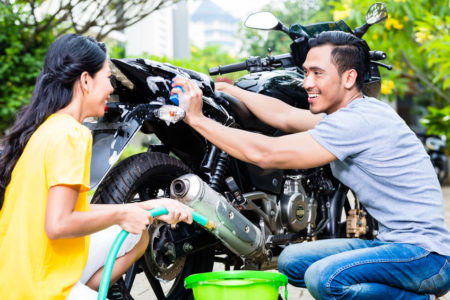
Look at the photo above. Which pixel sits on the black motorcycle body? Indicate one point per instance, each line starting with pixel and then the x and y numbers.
pixel 435 146
pixel 274 207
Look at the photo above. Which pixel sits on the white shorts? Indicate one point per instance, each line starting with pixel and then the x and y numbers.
pixel 99 245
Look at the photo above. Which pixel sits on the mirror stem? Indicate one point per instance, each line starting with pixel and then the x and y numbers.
pixel 359 32
pixel 282 27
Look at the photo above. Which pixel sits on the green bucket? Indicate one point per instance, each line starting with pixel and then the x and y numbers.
pixel 236 285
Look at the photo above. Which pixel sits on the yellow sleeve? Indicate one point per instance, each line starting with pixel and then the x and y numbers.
pixel 68 158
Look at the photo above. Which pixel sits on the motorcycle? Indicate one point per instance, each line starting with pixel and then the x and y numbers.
pixel 435 146
pixel 257 211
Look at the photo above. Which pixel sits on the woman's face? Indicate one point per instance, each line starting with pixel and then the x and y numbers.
pixel 100 89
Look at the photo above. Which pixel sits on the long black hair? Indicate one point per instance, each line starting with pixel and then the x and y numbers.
pixel 68 57
pixel 350 52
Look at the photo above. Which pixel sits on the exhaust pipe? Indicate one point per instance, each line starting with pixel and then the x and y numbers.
pixel 237 233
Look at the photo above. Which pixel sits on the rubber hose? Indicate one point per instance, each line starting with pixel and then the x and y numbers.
pixel 110 260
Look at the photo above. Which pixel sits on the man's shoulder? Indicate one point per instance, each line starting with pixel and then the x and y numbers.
pixel 353 113
pixel 368 110
pixel 368 103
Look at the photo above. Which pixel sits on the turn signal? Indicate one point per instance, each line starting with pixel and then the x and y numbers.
pixel 170 114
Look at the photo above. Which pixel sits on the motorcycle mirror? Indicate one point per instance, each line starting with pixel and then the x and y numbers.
pixel 377 13
pixel 262 20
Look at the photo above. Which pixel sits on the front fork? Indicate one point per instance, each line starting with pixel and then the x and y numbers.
pixel 337 200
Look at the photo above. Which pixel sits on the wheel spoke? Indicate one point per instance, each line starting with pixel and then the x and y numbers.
pixel 156 285
pixel 130 275
pixel 144 194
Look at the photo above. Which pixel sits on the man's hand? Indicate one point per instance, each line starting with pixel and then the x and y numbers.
pixel 222 86
pixel 190 100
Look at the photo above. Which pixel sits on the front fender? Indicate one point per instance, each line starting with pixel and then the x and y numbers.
pixel 112 135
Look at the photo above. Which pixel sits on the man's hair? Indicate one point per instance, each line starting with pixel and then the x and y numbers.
pixel 349 52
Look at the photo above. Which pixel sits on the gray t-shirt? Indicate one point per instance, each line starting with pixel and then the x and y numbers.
pixel 385 164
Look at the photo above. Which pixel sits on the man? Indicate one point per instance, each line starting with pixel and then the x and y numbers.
pixel 373 152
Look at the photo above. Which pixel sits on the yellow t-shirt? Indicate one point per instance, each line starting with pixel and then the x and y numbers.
pixel 31 265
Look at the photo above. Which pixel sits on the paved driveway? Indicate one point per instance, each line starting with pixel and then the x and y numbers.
pixel 141 288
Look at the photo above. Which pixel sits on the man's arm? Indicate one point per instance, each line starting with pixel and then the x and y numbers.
pixel 272 111
pixel 293 151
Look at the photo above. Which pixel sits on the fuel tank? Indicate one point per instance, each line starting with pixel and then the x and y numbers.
pixel 286 85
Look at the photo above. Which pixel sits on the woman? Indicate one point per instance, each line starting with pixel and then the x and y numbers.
pixel 45 217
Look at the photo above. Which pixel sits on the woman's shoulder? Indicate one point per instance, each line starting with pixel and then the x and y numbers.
pixel 62 126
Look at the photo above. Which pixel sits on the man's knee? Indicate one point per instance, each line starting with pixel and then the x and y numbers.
pixel 284 261
pixel 324 281
pixel 289 262
pixel 293 262
pixel 316 279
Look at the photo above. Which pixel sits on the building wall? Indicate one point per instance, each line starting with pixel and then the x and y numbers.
pixel 212 25
pixel 216 33
pixel 162 33
pixel 180 21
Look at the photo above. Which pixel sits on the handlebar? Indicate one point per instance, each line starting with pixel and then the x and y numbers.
pixel 228 68
pixel 258 64
pixel 377 55
pixel 255 64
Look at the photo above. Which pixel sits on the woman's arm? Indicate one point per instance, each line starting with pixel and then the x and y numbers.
pixel 272 111
pixel 177 210
pixel 62 221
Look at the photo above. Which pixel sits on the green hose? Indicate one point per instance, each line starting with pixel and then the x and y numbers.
pixel 106 276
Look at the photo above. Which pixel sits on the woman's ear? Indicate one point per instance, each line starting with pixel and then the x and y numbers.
pixel 350 78
pixel 85 82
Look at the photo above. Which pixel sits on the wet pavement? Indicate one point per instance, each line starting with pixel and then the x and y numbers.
pixel 142 290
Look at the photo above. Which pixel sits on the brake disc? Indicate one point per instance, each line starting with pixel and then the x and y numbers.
pixel 162 262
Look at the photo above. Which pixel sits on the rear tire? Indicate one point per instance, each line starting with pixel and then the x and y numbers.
pixel 148 176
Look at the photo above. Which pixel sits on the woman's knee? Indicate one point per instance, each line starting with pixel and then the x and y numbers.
pixel 142 245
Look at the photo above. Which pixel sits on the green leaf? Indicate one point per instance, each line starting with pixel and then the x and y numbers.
pixel 446 83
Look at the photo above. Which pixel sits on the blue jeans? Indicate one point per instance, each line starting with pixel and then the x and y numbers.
pixel 363 269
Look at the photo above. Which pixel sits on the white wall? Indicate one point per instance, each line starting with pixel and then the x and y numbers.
pixel 162 33
pixel 152 35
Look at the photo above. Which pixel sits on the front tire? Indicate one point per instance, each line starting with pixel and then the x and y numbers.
pixel 147 176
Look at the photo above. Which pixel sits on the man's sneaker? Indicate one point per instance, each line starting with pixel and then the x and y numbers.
pixel 118 291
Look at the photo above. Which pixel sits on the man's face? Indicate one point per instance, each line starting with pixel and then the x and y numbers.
pixel 326 91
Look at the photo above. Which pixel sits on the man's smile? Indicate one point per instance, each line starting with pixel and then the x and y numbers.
pixel 312 97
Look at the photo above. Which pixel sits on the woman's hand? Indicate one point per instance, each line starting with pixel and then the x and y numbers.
pixel 134 219
pixel 190 100
pixel 177 210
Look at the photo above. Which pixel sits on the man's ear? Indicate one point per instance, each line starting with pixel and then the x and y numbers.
pixel 85 79
pixel 349 77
